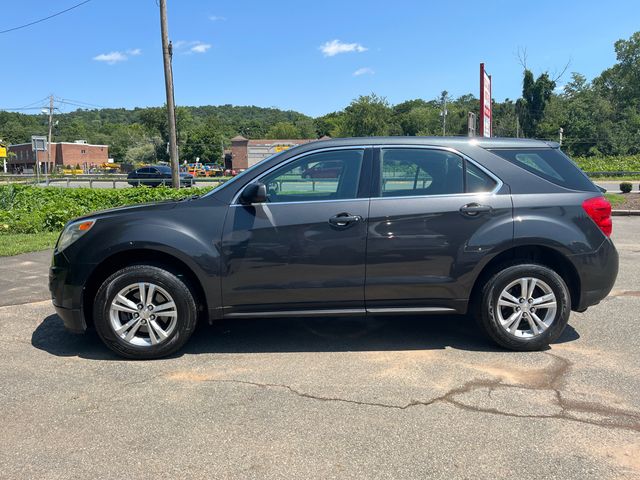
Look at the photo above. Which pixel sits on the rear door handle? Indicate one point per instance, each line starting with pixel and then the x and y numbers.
pixel 344 219
pixel 473 209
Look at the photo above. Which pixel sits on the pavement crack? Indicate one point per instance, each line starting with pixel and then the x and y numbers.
pixel 309 395
pixel 553 380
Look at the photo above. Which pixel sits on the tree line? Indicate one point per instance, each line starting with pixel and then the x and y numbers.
pixel 598 117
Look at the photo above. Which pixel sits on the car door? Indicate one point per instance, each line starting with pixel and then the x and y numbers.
pixel 303 250
pixel 434 218
pixel 155 176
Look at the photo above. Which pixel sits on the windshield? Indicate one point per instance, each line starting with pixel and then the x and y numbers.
pixel 242 174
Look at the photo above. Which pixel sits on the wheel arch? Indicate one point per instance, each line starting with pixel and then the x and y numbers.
pixel 144 256
pixel 540 254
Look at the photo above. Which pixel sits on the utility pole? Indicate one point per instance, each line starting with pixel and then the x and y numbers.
pixel 471 124
pixel 167 52
pixel 560 134
pixel 444 112
pixel 46 168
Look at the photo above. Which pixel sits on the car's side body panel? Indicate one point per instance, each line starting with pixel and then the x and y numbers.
pixel 424 252
pixel 288 256
pixel 188 231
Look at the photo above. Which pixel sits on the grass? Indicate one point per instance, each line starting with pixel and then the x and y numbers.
pixel 615 199
pixel 15 243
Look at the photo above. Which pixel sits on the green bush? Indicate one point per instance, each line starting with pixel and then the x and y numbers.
pixel 629 163
pixel 29 209
pixel 626 187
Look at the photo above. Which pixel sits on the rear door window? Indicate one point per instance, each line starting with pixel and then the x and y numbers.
pixel 419 171
pixel 550 164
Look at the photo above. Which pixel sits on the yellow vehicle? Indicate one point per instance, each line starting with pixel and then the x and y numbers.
pixel 196 169
pixel 72 171
pixel 109 167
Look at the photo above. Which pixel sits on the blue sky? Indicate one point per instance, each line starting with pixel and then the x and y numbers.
pixel 314 57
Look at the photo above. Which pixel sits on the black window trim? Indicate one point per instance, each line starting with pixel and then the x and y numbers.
pixel 376 176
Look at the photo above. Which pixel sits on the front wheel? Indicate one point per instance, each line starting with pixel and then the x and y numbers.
pixel 525 307
pixel 144 312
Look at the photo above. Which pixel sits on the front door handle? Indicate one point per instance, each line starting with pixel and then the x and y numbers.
pixel 344 220
pixel 473 209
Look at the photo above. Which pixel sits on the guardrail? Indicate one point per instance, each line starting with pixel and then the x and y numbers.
pixel 114 179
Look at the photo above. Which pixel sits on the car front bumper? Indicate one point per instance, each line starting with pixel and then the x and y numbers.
pixel 66 293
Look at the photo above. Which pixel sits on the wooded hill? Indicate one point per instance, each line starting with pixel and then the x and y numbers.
pixel 599 117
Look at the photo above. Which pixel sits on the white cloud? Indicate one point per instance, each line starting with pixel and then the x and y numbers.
pixel 191 47
pixel 334 47
pixel 217 18
pixel 363 71
pixel 111 58
pixel 200 48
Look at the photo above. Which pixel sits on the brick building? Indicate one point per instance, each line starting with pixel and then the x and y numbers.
pixel 245 153
pixel 62 154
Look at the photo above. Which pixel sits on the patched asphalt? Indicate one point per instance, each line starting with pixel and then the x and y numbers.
pixel 396 397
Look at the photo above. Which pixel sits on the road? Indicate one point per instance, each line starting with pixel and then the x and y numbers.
pixel 614 186
pixel 386 398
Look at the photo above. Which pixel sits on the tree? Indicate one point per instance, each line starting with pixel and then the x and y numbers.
pixel 204 143
pixel 144 153
pixel 424 120
pixel 368 115
pixel 283 130
pixel 535 95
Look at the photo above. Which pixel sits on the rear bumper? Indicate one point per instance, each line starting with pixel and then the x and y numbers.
pixel 598 272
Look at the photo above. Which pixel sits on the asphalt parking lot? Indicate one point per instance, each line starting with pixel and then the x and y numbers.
pixel 325 398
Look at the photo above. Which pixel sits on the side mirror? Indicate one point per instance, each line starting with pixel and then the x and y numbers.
pixel 254 193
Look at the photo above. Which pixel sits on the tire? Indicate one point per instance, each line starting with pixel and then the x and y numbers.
pixel 500 301
pixel 157 334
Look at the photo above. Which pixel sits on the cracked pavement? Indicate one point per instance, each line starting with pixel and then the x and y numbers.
pixel 396 397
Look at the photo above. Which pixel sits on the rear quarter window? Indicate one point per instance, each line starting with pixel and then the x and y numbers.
pixel 550 164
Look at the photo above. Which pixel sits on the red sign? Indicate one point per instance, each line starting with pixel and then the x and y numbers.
pixel 485 102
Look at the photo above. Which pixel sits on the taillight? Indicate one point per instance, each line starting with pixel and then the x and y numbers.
pixel 599 209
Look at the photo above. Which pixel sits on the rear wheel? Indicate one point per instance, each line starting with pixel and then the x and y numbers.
pixel 144 312
pixel 525 307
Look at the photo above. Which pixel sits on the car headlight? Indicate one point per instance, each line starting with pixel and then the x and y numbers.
pixel 73 232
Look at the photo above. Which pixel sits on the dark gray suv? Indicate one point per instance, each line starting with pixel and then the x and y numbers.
pixel 510 231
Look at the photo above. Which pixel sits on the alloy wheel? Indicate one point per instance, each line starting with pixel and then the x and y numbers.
pixel 526 307
pixel 143 314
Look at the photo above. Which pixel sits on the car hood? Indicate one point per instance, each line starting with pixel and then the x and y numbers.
pixel 140 207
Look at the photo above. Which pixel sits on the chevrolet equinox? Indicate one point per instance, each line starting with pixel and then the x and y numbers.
pixel 511 231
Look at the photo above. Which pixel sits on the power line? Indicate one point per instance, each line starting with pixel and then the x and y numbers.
pixel 45 18
pixel 21 109
pixel 78 103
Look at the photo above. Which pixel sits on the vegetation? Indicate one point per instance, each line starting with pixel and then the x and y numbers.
pixel 615 199
pixel 620 163
pixel 28 209
pixel 626 187
pixel 16 243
